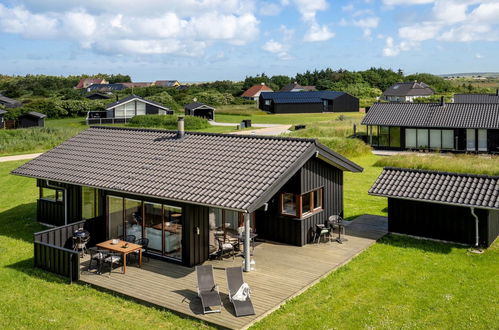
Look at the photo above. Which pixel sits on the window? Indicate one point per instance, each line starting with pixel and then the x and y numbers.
pixel 130 109
pixel 482 140
pixel 53 195
pixel 384 132
pixel 300 205
pixel 141 108
pixel 288 204
pixel 395 137
pixel 447 139
pixel 422 138
pixel 470 139
pixel 267 102
pixel 89 203
pixel 119 112
pixel 435 139
pixel 374 135
pixel 410 138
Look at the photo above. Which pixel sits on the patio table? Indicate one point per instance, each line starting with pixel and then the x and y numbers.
pixel 120 248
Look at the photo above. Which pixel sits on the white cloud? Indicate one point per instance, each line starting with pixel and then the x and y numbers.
pixel 287 34
pixel 166 27
pixel 478 56
pixel 277 48
pixel 367 24
pixel 451 21
pixel 269 9
pixel 407 2
pixel 318 33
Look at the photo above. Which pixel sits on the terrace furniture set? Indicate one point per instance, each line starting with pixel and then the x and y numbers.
pixel 326 230
pixel 114 251
pixel 228 243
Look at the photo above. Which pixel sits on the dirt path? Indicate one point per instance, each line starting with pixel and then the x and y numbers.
pixel 18 157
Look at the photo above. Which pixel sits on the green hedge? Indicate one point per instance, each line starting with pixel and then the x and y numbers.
pixel 168 122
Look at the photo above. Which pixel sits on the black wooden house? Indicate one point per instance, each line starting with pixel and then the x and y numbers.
pixel 31 119
pixel 180 188
pixel 307 102
pixel 455 207
pixel 460 127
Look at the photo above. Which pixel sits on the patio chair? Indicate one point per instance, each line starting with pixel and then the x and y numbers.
pixel 207 289
pixel 97 255
pixel 145 244
pixel 320 231
pixel 130 238
pixel 239 292
pixel 112 259
pixel 225 248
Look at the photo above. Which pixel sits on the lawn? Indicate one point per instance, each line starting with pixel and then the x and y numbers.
pixel 399 283
pixel 35 299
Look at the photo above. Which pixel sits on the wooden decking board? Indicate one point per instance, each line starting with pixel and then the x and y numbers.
pixel 282 272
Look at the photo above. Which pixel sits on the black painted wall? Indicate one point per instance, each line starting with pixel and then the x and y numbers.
pixel 314 174
pixel 443 222
pixel 344 103
pixel 53 212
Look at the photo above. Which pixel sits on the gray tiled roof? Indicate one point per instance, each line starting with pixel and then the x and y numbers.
pixel 448 188
pixel 449 115
pixel 2 112
pixel 230 171
pixel 409 89
pixel 476 98
pixel 35 114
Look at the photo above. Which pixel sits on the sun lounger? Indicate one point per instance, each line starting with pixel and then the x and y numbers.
pixel 207 289
pixel 235 283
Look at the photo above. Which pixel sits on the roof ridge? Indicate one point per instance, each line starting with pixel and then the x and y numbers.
pixel 158 130
pixel 392 168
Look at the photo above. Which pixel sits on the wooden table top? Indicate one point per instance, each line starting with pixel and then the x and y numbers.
pixel 119 247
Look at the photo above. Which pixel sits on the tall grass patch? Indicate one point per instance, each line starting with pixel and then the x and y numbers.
pixel 36 139
pixel 473 164
pixel 345 146
pixel 168 122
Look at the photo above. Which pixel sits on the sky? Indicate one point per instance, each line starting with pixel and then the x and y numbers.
pixel 206 40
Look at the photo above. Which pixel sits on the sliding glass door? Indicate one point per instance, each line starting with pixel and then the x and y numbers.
pixel 160 223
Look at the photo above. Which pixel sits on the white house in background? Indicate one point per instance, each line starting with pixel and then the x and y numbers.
pixel 407 92
pixel 253 93
pixel 123 110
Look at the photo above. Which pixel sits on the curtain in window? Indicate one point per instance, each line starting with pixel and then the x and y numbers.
pixel 410 138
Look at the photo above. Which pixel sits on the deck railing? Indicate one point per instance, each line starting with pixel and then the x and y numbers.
pixel 53 248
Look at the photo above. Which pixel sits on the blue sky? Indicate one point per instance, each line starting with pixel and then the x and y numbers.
pixel 203 40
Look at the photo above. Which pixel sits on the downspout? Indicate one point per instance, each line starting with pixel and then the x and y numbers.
pixel 477 238
pixel 65 199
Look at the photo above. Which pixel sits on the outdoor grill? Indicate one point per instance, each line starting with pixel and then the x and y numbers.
pixel 80 240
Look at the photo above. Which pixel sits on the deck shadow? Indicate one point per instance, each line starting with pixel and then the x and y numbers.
pixel 27 267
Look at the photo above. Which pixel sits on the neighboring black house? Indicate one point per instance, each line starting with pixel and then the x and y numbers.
pixel 407 92
pixel 123 110
pixel 441 205
pixel 434 126
pixel 129 182
pixel 2 121
pixel 199 109
pixel 8 102
pixel 97 96
pixel 306 102
pixel 31 119
pixel 477 98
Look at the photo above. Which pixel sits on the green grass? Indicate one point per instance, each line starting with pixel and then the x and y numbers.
pixel 401 283
pixel 35 299
pixel 475 164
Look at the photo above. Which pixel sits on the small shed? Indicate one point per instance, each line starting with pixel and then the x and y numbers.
pixel 199 109
pixel 31 119
pixel 454 207
pixel 2 121
pixel 8 102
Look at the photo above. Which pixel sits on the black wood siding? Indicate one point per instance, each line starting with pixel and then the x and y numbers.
pixel 439 221
pixel 314 174
pixel 344 103
pixel 297 107
pixel 28 121
pixel 53 212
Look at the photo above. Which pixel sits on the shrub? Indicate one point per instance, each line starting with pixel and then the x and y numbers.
pixel 168 122
pixel 165 99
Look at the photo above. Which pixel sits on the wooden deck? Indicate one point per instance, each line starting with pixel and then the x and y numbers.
pixel 282 272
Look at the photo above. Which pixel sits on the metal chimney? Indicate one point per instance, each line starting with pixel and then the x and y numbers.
pixel 497 92
pixel 442 101
pixel 180 127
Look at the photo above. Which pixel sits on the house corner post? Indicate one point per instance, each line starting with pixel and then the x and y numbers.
pixel 247 252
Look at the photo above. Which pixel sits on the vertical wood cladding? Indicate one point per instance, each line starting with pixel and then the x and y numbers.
pixel 196 248
pixel 344 103
pixel 443 222
pixel 53 212
pixel 313 175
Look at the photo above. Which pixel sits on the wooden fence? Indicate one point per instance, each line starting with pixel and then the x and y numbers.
pixel 53 248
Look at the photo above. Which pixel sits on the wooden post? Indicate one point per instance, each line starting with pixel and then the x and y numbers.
pixel 247 252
